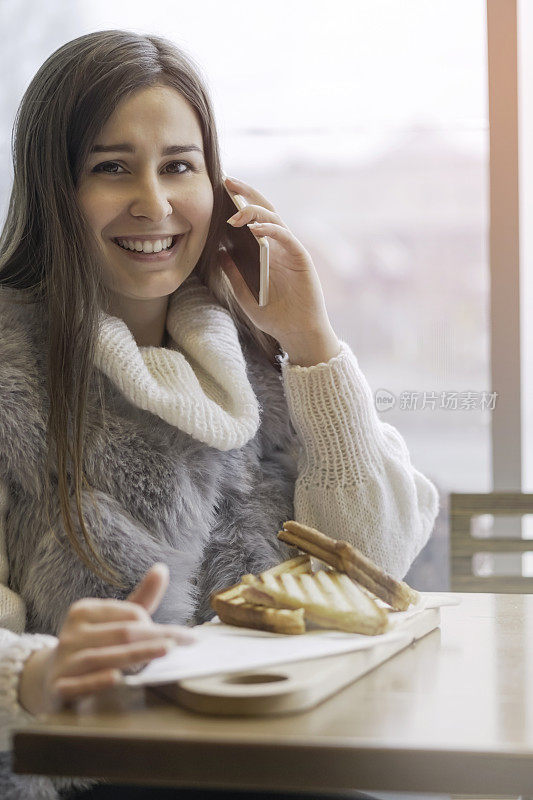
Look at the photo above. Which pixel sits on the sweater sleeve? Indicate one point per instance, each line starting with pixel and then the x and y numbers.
pixel 355 479
pixel 15 646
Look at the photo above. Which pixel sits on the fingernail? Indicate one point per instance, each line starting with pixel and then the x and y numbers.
pixel 184 638
pixel 234 218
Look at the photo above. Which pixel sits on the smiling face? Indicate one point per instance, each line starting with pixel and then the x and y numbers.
pixel 152 186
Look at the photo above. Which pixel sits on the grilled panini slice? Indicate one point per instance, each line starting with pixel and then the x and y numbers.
pixel 329 599
pixel 345 558
pixel 232 608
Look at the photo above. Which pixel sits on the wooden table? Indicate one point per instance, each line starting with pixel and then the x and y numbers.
pixel 452 713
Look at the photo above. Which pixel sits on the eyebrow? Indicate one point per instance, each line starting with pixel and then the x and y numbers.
pixel 174 149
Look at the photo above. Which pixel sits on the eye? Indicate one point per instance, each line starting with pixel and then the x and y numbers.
pixel 189 167
pixel 113 165
pixel 101 167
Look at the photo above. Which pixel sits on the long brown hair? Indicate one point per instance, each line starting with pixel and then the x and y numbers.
pixel 48 253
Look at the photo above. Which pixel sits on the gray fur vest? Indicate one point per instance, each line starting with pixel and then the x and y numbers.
pixel 161 495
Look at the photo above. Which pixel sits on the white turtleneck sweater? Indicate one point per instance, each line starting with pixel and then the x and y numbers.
pixel 355 479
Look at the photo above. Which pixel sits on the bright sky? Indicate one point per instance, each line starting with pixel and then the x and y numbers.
pixel 362 69
pixel 288 63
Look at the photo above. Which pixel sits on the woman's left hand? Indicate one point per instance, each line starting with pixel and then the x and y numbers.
pixel 296 306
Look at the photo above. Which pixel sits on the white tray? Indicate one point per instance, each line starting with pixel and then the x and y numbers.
pixel 296 686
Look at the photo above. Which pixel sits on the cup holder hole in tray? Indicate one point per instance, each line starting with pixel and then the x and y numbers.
pixel 256 678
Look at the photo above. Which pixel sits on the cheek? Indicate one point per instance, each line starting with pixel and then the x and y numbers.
pixel 97 207
pixel 200 206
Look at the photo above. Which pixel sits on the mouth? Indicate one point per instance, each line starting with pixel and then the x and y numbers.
pixel 140 255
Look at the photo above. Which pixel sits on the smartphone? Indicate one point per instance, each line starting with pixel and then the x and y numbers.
pixel 249 252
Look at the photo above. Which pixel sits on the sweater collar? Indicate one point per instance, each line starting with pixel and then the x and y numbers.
pixel 198 382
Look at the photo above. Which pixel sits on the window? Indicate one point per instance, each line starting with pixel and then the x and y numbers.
pixel 367 127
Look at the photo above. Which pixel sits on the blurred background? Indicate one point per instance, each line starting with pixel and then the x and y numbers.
pixel 366 124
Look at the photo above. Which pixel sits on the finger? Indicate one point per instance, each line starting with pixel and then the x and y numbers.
pixel 67 688
pixel 92 609
pixel 277 232
pixel 151 589
pixel 116 633
pixel 99 658
pixel 253 213
pixel 248 192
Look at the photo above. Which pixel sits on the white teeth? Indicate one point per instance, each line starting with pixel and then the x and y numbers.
pixel 145 246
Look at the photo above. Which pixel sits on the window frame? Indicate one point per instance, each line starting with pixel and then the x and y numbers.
pixel 504 244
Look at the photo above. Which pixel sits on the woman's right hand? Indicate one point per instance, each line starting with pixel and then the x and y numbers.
pixel 98 639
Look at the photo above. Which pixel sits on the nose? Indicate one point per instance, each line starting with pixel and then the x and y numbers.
pixel 151 199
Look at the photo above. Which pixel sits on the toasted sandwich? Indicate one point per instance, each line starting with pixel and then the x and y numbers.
pixel 346 558
pixel 233 609
pixel 328 598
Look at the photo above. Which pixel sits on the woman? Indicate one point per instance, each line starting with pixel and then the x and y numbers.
pixel 150 412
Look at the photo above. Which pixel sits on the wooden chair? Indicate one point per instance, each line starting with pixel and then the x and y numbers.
pixel 463 545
